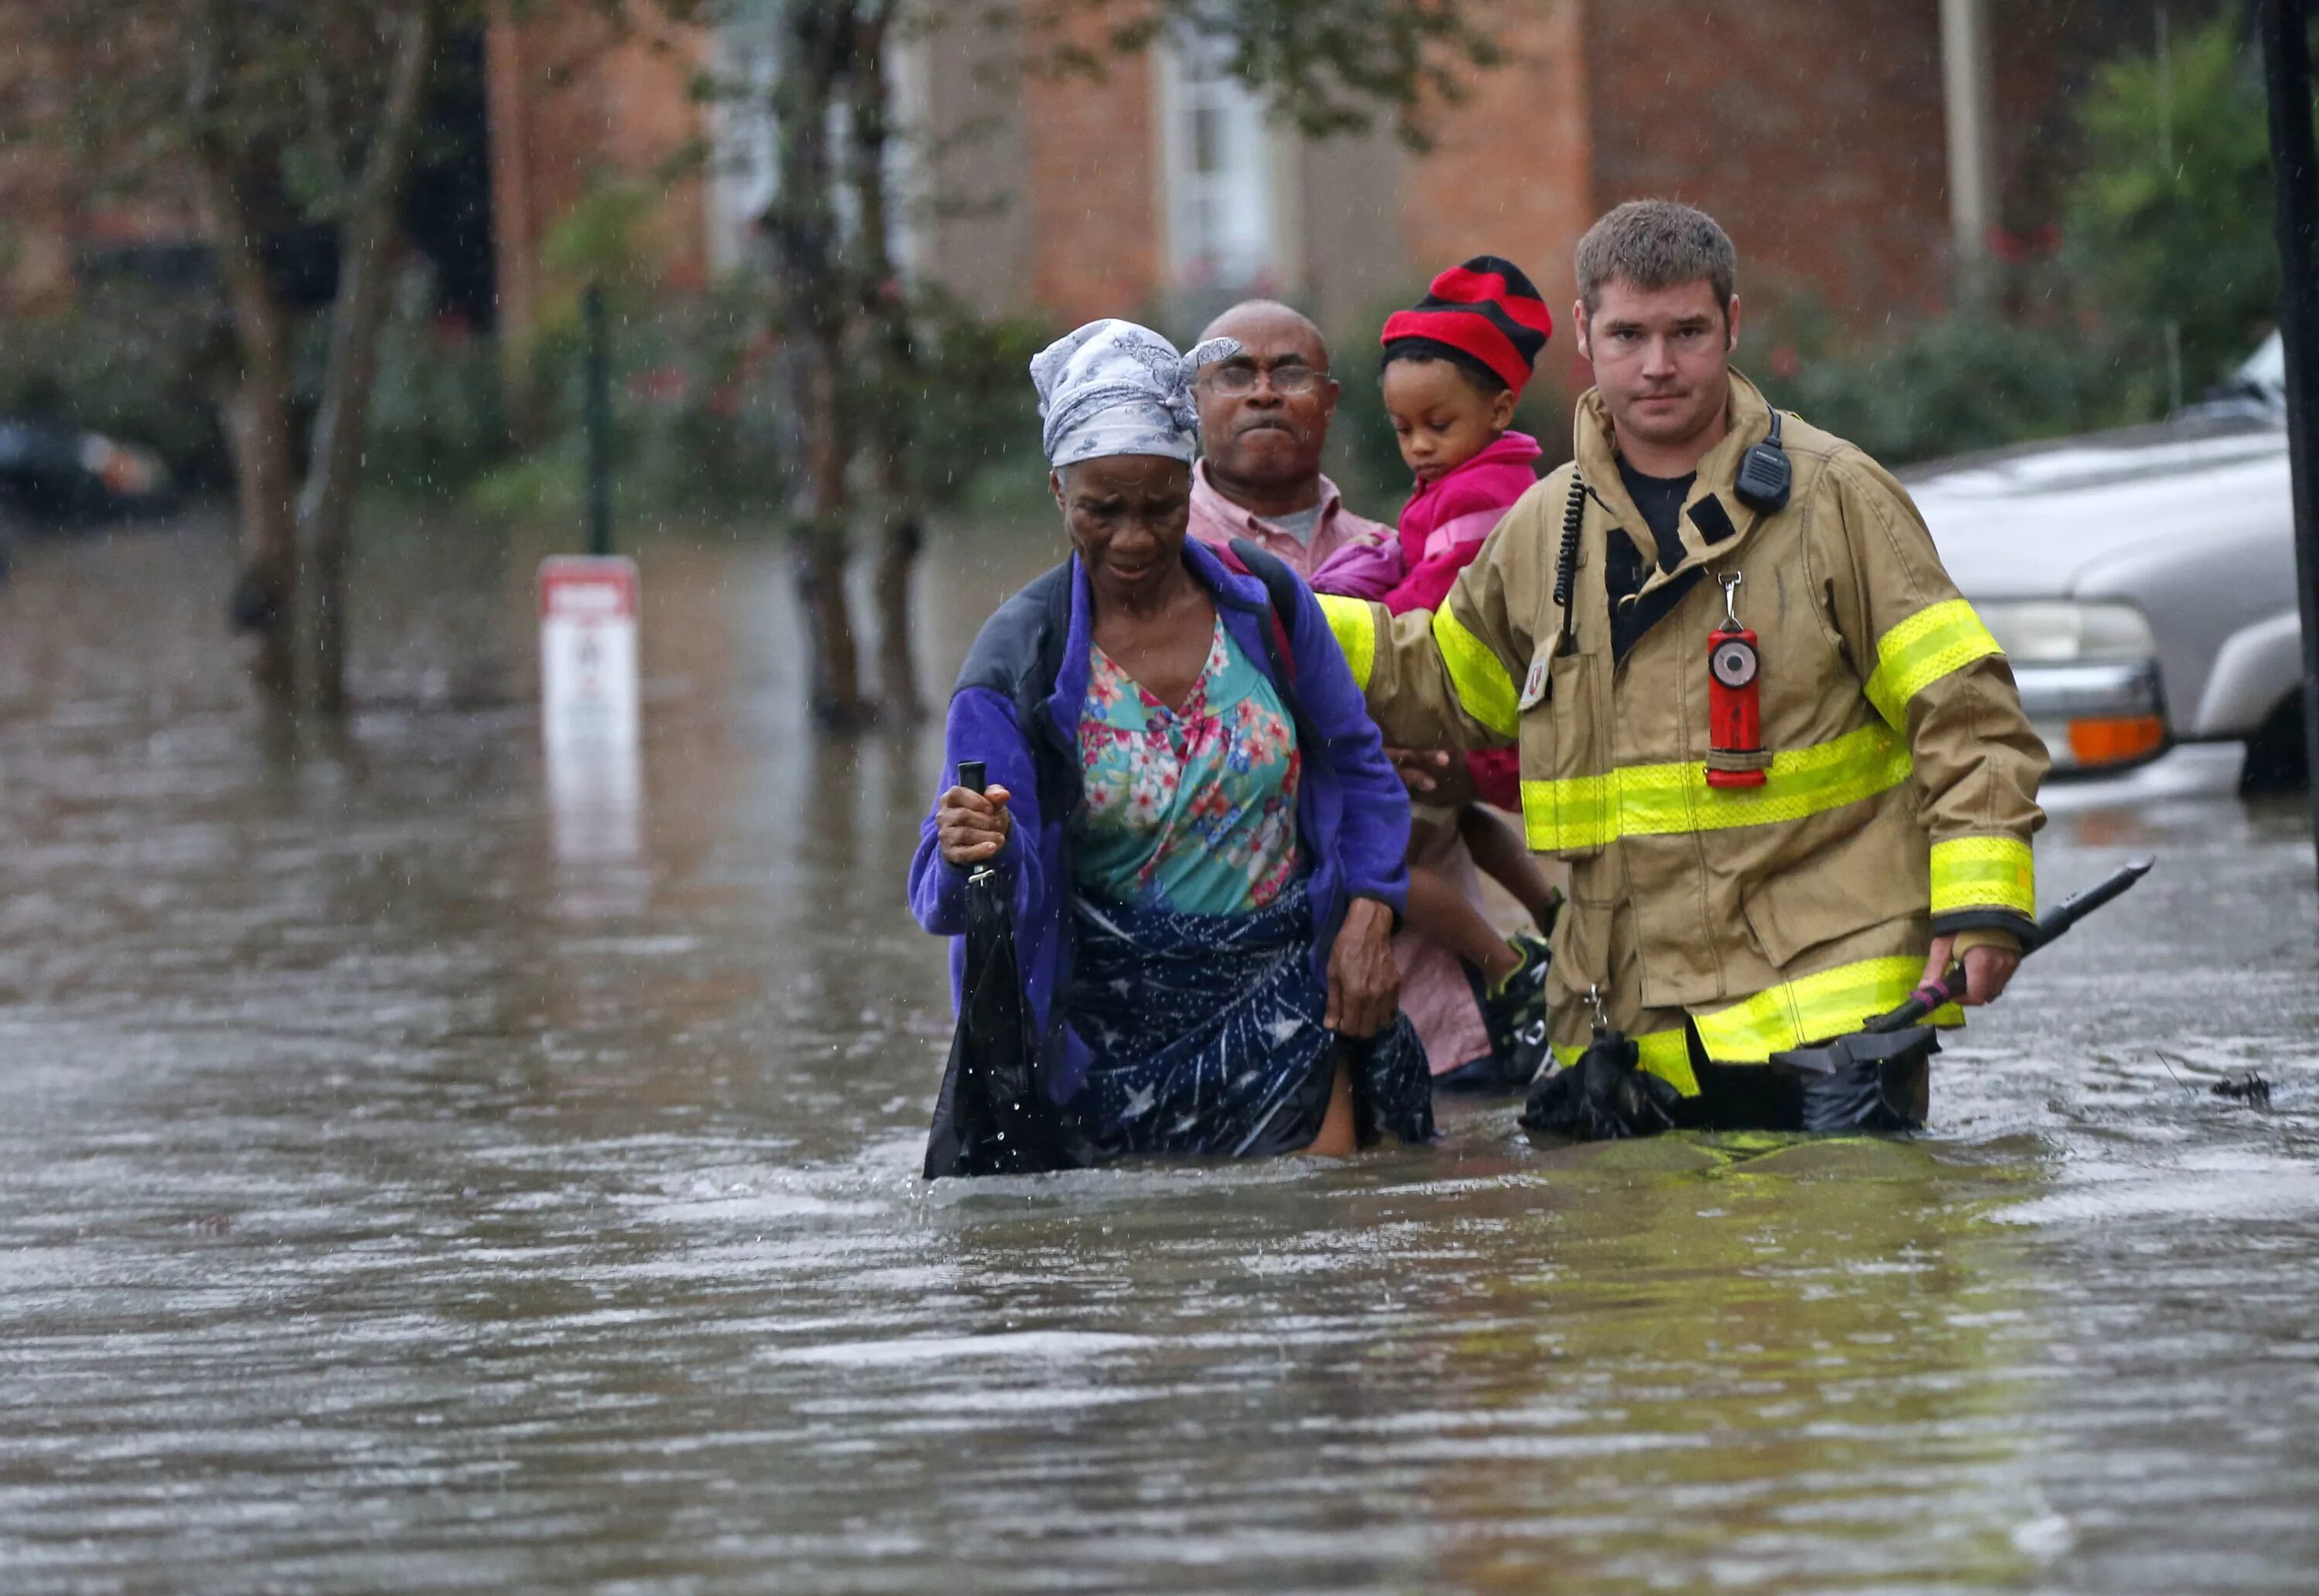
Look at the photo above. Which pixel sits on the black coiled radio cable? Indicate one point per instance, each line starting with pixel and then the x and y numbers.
pixel 1566 565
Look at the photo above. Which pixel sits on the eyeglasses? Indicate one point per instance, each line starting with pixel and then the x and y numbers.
pixel 1235 381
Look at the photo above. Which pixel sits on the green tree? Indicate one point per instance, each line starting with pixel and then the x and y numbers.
pixel 1329 67
pixel 2168 229
pixel 2170 219
pixel 854 341
pixel 274 115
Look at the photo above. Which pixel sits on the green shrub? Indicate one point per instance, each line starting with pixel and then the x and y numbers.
pixel 974 413
pixel 135 361
pixel 698 404
pixel 1975 378
pixel 2168 223
pixel 699 399
pixel 692 420
pixel 2170 219
pixel 436 423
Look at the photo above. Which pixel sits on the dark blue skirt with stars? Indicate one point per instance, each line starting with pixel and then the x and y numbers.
pixel 1207 1038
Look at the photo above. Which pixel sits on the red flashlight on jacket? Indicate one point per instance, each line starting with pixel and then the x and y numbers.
pixel 1735 716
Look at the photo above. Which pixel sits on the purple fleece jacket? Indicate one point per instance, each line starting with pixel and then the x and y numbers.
pixel 1353 812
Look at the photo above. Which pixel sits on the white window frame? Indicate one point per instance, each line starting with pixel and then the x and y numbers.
pixel 744 173
pixel 745 157
pixel 1222 194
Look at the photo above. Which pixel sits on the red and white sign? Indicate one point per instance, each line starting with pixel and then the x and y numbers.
pixel 588 649
pixel 587 716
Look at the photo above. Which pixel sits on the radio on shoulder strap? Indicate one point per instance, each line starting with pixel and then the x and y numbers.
pixel 1765 474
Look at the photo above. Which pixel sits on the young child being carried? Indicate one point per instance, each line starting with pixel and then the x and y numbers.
pixel 1454 369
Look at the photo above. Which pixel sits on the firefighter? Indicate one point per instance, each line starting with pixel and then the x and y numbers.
pixel 1786 762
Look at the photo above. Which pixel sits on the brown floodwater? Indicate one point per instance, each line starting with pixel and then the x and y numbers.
pixel 407 1187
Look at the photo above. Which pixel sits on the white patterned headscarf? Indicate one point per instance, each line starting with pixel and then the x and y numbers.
pixel 1115 387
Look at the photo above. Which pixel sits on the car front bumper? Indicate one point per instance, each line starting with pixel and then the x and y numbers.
pixel 2185 771
pixel 2096 718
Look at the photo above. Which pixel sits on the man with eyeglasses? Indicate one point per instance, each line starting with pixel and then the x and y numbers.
pixel 1264 418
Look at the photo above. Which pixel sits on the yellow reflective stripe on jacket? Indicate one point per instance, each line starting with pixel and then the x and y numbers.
pixel 1921 650
pixel 1812 1008
pixel 1674 799
pixel 1354 625
pixel 1984 873
pixel 1485 689
pixel 1664 1054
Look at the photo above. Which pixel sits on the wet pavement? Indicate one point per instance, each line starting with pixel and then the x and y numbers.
pixel 402 1190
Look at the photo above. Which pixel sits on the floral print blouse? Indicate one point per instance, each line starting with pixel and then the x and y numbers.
pixel 1194 809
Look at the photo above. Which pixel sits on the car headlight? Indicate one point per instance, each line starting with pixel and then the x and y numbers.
pixel 129 473
pixel 2060 633
pixel 2089 680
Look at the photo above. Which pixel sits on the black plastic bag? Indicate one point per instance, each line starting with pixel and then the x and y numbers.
pixel 1603 1096
pixel 1884 1085
pixel 993 1115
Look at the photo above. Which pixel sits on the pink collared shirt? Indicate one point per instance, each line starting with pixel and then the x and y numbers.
pixel 1349 554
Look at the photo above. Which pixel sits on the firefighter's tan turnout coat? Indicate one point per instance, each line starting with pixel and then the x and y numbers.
pixel 1902 776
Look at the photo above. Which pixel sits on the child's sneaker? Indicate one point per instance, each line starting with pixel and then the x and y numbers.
pixel 1514 1010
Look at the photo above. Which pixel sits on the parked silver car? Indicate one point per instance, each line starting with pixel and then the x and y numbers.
pixel 2142 581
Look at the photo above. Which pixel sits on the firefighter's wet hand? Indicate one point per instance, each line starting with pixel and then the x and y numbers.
pixel 972 826
pixel 1988 969
pixel 1364 984
pixel 1419 768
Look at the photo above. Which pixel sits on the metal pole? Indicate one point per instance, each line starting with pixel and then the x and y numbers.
pixel 598 420
pixel 1970 105
pixel 2171 326
pixel 2295 188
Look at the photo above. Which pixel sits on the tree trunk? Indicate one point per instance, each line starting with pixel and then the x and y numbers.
pixel 264 601
pixel 818 530
pixel 892 362
pixel 835 695
pixel 257 406
pixel 817 48
pixel 898 666
pixel 368 236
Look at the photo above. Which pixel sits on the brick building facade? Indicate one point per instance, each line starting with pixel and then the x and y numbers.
pixel 35 183
pixel 1819 133
pixel 573 104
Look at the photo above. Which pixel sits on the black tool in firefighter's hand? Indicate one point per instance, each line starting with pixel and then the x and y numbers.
pixel 1895 1035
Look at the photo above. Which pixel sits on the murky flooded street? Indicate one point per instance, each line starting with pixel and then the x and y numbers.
pixel 401 1193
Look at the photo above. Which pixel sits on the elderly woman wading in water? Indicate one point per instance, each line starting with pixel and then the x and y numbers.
pixel 1195 820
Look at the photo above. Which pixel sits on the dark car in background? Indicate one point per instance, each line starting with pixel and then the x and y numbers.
pixel 55 476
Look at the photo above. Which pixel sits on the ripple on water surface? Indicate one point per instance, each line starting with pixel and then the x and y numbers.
pixel 387 1202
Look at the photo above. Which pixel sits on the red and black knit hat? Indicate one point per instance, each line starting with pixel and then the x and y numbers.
pixel 1485 308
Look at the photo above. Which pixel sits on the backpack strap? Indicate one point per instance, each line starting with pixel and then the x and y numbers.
pixel 1018 654
pixel 1054 636
pixel 1285 589
pixel 1281 586
pixel 1057 765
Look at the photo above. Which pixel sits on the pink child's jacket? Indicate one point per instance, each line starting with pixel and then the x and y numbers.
pixel 1442 527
